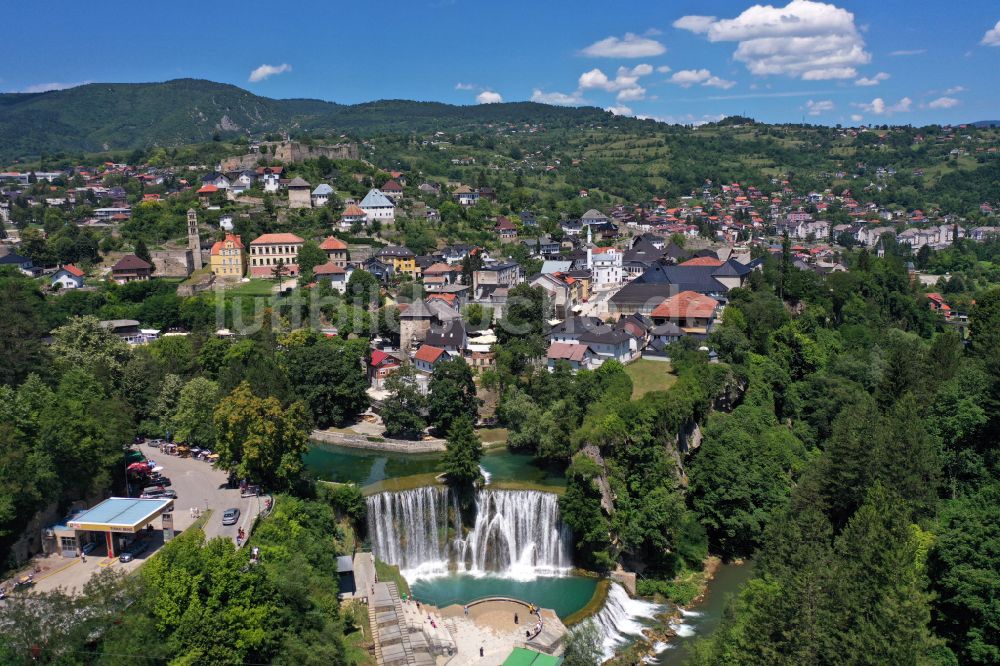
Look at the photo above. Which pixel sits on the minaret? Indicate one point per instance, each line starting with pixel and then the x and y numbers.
pixel 194 243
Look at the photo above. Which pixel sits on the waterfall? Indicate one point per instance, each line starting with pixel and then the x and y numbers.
pixel 409 528
pixel 516 532
pixel 621 618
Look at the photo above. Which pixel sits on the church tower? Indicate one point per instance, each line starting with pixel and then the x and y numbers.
pixel 194 242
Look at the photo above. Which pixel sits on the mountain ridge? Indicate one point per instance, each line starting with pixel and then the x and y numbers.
pixel 122 116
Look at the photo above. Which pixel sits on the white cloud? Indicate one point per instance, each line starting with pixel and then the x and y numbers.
pixel 907 52
pixel 857 117
pixel 943 103
pixel 716 82
pixel 992 36
pixel 633 94
pixel 872 81
pixel 625 83
pixel 663 69
pixel 489 97
pixel 54 85
pixel 630 46
pixel 267 71
pixel 804 39
pixel 557 98
pixel 620 110
pixel 694 23
pixel 465 86
pixel 595 78
pixel 821 106
pixel 954 89
pixel 878 106
pixel 686 78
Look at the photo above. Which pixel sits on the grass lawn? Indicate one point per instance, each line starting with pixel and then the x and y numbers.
pixel 389 573
pixel 358 636
pixel 649 376
pixel 492 435
pixel 253 288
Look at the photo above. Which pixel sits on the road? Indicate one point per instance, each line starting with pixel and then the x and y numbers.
pixel 199 485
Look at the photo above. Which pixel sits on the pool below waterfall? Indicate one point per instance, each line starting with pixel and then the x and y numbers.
pixel 364 467
pixel 563 594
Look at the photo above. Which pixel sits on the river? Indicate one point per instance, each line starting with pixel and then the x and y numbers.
pixel 704 617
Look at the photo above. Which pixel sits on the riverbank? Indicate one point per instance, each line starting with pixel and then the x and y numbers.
pixel 374 443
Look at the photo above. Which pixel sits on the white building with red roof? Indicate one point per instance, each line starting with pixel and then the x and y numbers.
pixel 336 250
pixel 268 250
pixel 68 277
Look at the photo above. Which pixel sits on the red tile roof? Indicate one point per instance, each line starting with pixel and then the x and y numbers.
pixel 73 270
pixel 329 268
pixel 218 246
pixel 207 189
pixel 565 351
pixel 353 211
pixel 702 261
pixel 332 243
pixel 687 304
pixel 130 262
pixel 428 354
pixel 266 239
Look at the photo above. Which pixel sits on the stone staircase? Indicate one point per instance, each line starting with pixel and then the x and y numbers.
pixel 403 635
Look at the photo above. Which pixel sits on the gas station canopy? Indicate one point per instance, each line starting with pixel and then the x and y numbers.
pixel 120 514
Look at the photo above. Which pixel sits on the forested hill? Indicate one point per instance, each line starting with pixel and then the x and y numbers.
pixel 123 116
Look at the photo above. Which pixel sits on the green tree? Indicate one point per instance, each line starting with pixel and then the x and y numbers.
pixel 403 409
pixel 21 329
pixel 451 394
pixel 192 420
pixel 584 645
pixel 83 343
pixel 461 460
pixel 258 439
pixel 965 573
pixel 310 256
pixel 328 374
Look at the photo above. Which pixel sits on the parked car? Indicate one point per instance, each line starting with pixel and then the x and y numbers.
pixel 159 480
pixel 230 516
pixel 133 549
pixel 250 491
pixel 152 492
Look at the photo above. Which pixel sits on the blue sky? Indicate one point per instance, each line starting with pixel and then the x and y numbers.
pixel 885 61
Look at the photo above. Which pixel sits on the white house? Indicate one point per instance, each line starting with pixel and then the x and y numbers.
pixel 377 206
pixel 606 266
pixel 68 277
pixel 321 195
pixel 336 275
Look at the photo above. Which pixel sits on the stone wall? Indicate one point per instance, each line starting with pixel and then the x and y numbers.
pixel 290 152
pixel 381 444
pixel 173 263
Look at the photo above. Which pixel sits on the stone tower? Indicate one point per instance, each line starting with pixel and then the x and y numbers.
pixel 194 242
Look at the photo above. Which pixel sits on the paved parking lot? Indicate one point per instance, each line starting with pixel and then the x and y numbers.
pixel 198 485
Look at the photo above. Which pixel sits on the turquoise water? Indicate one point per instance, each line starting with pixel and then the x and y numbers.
pixel 341 464
pixel 703 618
pixel 565 595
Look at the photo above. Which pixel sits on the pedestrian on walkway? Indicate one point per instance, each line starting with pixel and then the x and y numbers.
pixel 515 618
pixel 480 650
pixel 466 611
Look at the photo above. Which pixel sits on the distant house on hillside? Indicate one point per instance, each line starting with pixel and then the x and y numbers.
pixel 299 195
pixel 68 277
pixel 321 195
pixel 22 264
pixel 377 206
pixel 131 268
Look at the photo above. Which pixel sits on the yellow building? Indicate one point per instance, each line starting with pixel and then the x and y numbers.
pixel 402 259
pixel 229 258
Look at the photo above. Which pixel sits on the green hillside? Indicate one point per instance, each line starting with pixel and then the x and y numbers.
pixel 123 116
